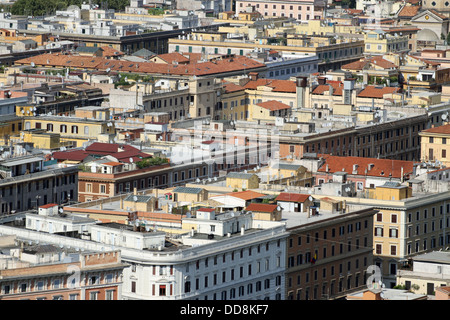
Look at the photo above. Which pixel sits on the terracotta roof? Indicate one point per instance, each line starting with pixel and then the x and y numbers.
pixel 380 168
pixel 217 66
pixel 112 163
pixel 276 85
pixel 292 197
pixel 408 11
pixel 231 87
pixel 376 60
pixel 438 14
pixel 246 195
pixel 356 65
pixel 444 129
pixel 72 155
pixel 376 91
pixel 111 52
pixel 49 205
pixel 261 207
pixel 273 105
pixel 174 56
pixel 383 63
pixel 206 209
pixel 337 86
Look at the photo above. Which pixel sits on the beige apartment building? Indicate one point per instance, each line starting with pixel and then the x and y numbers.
pixel 434 144
pixel 404 226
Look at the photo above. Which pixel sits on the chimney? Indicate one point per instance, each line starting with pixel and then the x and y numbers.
pixel 135 191
pixel 322 80
pixel 253 76
pixel 242 230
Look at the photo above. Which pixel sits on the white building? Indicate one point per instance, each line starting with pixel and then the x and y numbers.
pixel 50 220
pixel 429 271
pixel 236 263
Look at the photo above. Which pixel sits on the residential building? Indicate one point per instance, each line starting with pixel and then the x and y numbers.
pixel 217 257
pixel 49 272
pixel 364 172
pixel 406 225
pixel 300 10
pixel 427 273
pixel 433 144
pixel 242 180
pixel 381 42
pixel 31 180
pixel 327 253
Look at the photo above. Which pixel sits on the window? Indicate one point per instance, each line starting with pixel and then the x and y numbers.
pixel 103 188
pixel 93 295
pixel 378 248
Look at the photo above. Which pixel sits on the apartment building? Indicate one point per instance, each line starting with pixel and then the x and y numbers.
pixel 183 98
pixel 328 253
pixel 433 144
pixel 300 10
pixel 76 130
pixel 30 181
pixel 224 257
pixel 406 224
pixel 331 52
pixel 382 42
pixel 49 272
pixel 427 273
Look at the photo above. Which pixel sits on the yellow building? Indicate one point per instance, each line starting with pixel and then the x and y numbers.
pixel 135 202
pixel 381 42
pixel 402 228
pixel 10 127
pixel 41 139
pixel 268 111
pixel 263 211
pixel 434 144
pixel 189 194
pixel 392 191
pixel 238 180
pixel 72 130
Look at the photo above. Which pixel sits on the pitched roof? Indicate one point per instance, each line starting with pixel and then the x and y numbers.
pixel 276 85
pixel 222 65
pixel 111 52
pixel 273 105
pixel 292 197
pixel 240 175
pixel 261 207
pixel 367 166
pixel 443 129
pixel 187 190
pixel 376 91
pixel 408 11
pixel 245 195
pixel 72 155
pixel 363 63
pixel 139 198
pixel 336 85
pixel 232 87
pixel 173 56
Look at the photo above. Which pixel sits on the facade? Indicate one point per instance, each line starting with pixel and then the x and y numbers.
pixel 299 10
pixel 45 272
pixel 427 273
pixel 240 261
pixel 433 143
pixel 405 226
pixel 327 256
pixel 30 182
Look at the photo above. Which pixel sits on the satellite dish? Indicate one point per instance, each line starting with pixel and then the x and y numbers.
pixel 444 116
pixel 135 198
pixel 278 208
pixel 61 210
pixel 310 198
pixel 131 160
